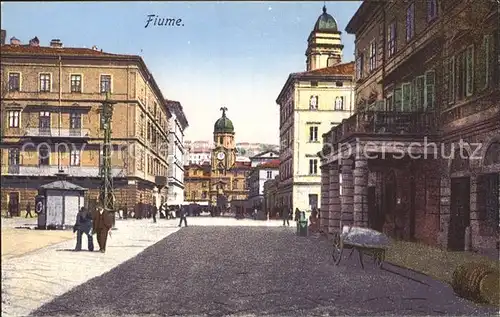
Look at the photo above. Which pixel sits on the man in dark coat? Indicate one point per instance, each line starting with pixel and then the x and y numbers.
pixel 286 216
pixel 28 210
pixel 182 215
pixel 102 223
pixel 83 225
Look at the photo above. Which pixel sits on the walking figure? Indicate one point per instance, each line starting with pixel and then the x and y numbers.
pixel 286 216
pixel 155 210
pixel 28 210
pixel 183 216
pixel 102 223
pixel 83 225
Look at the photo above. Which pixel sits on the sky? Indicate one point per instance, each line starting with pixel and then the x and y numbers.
pixel 227 53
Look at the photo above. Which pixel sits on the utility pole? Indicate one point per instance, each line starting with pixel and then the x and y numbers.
pixel 106 195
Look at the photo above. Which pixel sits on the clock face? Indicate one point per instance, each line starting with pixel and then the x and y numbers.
pixel 221 156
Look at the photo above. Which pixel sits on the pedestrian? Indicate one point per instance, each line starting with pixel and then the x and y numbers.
pixel 101 224
pixel 297 214
pixel 83 225
pixel 154 210
pixel 286 217
pixel 28 210
pixel 183 215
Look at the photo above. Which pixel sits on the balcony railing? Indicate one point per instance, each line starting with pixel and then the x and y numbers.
pixel 56 132
pixel 380 123
pixel 51 170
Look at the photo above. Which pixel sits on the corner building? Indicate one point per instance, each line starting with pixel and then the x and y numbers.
pixel 52 95
pixel 426 71
pixel 311 102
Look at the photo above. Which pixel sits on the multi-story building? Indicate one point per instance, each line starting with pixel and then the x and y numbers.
pixel 198 152
pixel 177 124
pixel 311 102
pixel 271 206
pixel 264 157
pixel 51 122
pixel 426 128
pixel 257 177
pixel 197 183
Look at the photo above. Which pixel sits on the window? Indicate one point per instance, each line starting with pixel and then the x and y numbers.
pixel 44 122
pixel 221 140
pixel 430 81
pixel 460 75
pixel 269 174
pixel 340 183
pixel 486 59
pixel 391 39
pixel 45 82
pixel 74 157
pixel 339 84
pixel 14 157
pixel 398 96
pixel 43 155
pixel 313 134
pixel 451 80
pixel 339 103
pixel 193 195
pixel 313 167
pixel 470 71
pixel 410 22
pixel 14 81
pixel 105 83
pixel 313 103
pixel 75 120
pixel 373 55
pixel 314 84
pixel 431 10
pixel 14 116
pixel 360 65
pixel 76 83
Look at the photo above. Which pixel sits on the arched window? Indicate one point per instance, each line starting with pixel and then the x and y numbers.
pixel 492 155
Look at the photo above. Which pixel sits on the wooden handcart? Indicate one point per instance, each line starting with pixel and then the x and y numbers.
pixel 364 240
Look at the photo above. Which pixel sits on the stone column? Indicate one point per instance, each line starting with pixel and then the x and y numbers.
pixel 444 210
pixel 334 211
pixel 325 188
pixel 474 215
pixel 361 192
pixel 347 196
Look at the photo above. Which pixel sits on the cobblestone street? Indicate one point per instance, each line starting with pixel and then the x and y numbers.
pixel 254 271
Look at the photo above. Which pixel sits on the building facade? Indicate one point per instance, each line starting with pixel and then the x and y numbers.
pixel 198 152
pixel 258 175
pixel 310 104
pixel 271 205
pixel 426 128
pixel 51 123
pixel 197 183
pixel 177 125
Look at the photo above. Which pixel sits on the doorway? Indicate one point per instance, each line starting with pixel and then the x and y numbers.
pixel 459 213
pixel 376 217
pixel 489 204
pixel 13 208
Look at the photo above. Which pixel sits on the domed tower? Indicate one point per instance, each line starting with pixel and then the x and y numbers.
pixel 324 47
pixel 224 152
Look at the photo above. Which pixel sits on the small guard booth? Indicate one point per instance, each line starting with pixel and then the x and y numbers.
pixel 61 202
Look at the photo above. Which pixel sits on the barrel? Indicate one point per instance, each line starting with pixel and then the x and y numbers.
pixel 477 282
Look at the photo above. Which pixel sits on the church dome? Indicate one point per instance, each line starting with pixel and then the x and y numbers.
pixel 326 23
pixel 223 124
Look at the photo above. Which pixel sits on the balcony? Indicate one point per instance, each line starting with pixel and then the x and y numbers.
pixel 56 132
pixel 52 170
pixel 381 124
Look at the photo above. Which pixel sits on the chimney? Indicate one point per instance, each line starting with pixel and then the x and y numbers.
pixel 3 35
pixel 34 41
pixel 56 43
pixel 14 41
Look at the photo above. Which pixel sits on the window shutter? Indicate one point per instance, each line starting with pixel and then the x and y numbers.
pixel 470 71
pixel 430 90
pixel 413 95
pixel 398 96
pixel 405 106
pixel 419 92
pixel 451 80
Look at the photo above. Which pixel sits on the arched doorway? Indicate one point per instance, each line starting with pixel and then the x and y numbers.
pixel 460 200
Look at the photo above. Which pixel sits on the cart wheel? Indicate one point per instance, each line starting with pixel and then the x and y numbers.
pixel 379 258
pixel 337 248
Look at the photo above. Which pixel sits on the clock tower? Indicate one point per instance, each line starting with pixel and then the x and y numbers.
pixel 224 151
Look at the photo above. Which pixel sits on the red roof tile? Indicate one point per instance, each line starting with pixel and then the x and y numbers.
pixel 270 164
pixel 339 69
pixel 46 50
